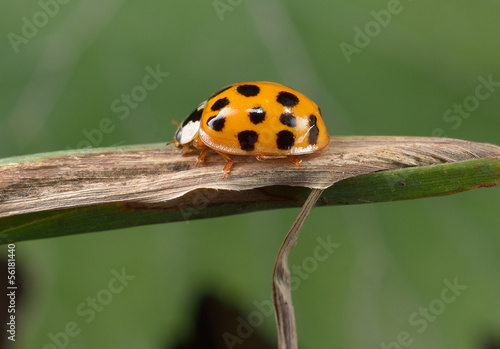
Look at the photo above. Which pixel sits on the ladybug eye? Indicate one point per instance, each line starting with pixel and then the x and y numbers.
pixel 178 135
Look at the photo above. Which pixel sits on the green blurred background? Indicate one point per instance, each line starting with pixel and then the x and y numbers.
pixel 393 258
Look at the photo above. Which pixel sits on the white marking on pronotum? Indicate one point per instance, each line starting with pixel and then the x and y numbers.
pixel 187 132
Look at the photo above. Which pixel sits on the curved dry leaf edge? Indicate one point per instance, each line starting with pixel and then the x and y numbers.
pixel 281 280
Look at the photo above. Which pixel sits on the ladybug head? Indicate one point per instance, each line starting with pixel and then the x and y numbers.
pixel 188 130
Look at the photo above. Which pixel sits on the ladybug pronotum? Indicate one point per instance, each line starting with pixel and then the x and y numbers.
pixel 262 119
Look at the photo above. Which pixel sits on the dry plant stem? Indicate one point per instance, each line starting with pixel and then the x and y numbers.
pixel 154 176
pixel 79 191
pixel 282 291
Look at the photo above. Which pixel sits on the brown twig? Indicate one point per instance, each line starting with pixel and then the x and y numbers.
pixel 158 177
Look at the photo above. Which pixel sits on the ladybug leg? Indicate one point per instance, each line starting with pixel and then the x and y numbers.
pixel 177 144
pixel 185 149
pixel 294 160
pixel 201 157
pixel 229 163
pixel 199 145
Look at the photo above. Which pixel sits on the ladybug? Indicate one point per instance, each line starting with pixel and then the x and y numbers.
pixel 262 119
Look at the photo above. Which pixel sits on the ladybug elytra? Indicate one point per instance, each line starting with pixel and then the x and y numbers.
pixel 261 119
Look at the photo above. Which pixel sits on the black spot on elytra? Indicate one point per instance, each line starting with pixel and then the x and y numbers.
pixel 219 92
pixel 247 140
pixel 257 115
pixel 216 122
pixel 248 90
pixel 288 119
pixel 313 130
pixel 287 99
pixel 285 140
pixel 219 104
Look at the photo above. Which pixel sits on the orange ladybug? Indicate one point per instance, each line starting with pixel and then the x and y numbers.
pixel 262 119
